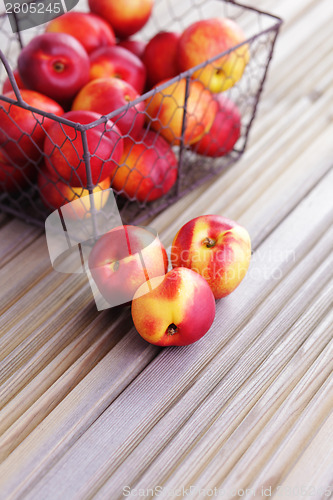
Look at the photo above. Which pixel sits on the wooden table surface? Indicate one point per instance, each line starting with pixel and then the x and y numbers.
pixel 88 408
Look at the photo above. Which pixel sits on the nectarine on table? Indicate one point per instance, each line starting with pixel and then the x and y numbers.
pixel 124 258
pixel 217 248
pixel 175 309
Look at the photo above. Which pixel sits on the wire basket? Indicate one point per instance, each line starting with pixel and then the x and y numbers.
pixel 24 154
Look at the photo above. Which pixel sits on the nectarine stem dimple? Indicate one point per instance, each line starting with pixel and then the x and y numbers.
pixel 58 66
pixel 209 242
pixel 172 329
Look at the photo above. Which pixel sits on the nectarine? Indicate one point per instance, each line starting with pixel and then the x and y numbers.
pixel 217 248
pixel 55 193
pixel 124 258
pixel 22 132
pixel 175 309
pixel 105 95
pixel 90 30
pixel 160 57
pixel 147 170
pixel 166 110
pixel 208 38
pixel 55 64
pixel 118 62
pixel 225 131
pixel 63 149
pixel 125 16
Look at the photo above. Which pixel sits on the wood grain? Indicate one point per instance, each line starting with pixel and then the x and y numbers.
pixel 87 406
pixel 184 364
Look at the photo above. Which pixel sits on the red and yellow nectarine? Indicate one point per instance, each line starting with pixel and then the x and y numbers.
pixel 217 248
pixel 55 194
pixel 63 149
pixel 118 62
pixel 124 258
pixel 22 132
pixel 208 38
pixel 125 16
pixel 148 168
pixel 225 131
pixel 55 64
pixel 175 309
pixel 166 110
pixel 90 30
pixel 106 95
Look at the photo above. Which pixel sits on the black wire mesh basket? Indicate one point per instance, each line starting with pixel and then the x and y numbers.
pixel 48 160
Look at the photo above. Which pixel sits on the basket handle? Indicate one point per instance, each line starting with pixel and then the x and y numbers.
pixel 11 78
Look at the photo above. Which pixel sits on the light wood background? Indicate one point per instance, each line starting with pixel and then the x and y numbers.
pixel 87 407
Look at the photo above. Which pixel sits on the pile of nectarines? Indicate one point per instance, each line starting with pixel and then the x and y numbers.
pixel 84 67
pixel 210 256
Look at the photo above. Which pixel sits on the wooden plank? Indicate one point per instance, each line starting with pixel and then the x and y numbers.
pixel 14 237
pixel 52 384
pixel 312 473
pixel 318 407
pixel 31 331
pixel 16 314
pixel 298 143
pixel 291 185
pixel 293 231
pixel 22 272
pixel 79 409
pixel 304 27
pixel 291 12
pixel 229 441
pixel 44 343
pixel 282 77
